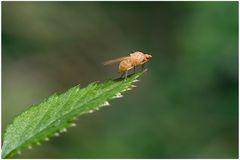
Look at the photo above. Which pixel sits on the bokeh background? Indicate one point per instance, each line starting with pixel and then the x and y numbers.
pixel 185 106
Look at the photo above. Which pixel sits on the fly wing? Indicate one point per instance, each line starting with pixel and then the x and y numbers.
pixel 112 61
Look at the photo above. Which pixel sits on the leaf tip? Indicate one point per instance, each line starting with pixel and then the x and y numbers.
pixel 73 125
pixel 136 80
pixel 118 95
pixel 106 103
pixel 56 134
pixel 63 130
pixel 19 152
pixel 91 111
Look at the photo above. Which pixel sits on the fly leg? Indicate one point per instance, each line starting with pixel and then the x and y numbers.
pixel 134 69
pixel 126 74
pixel 142 66
pixel 122 75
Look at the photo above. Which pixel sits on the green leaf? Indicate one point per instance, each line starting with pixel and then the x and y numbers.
pixel 55 114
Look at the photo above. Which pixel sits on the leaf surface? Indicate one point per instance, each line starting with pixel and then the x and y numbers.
pixel 56 113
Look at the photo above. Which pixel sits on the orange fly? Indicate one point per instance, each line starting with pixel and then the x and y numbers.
pixel 131 61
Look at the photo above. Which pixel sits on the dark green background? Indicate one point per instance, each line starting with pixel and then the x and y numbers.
pixel 185 106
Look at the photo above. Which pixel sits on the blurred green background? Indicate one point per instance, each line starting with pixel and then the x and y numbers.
pixel 185 106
